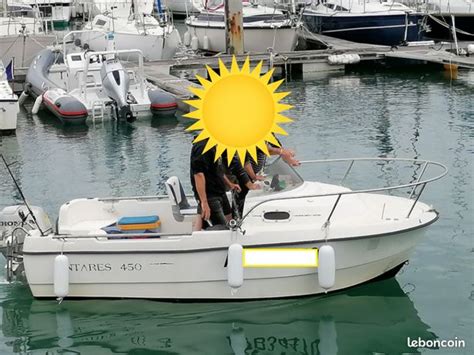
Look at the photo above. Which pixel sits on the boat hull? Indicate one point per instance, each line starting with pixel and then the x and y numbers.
pixel 154 47
pixel 256 39
pixel 373 29
pixel 8 114
pixel 440 27
pixel 65 107
pixel 139 269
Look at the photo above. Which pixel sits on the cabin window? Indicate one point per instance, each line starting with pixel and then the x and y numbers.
pixel 276 215
pixel 76 58
pixel 100 22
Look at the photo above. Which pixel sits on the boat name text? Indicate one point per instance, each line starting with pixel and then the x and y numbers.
pixel 104 267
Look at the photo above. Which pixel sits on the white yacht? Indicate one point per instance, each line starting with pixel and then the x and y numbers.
pixel 157 39
pixel 263 28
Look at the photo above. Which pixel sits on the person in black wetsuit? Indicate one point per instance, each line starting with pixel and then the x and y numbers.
pixel 209 186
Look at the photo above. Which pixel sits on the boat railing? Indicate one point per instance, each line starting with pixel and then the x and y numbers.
pixel 419 182
pixel 75 32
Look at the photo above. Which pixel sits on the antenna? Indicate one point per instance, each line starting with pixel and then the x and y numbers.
pixel 21 193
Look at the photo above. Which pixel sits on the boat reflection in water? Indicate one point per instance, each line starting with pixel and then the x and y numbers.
pixel 373 318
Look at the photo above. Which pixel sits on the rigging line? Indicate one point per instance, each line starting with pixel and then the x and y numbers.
pixel 21 194
pixel 445 24
pixel 11 45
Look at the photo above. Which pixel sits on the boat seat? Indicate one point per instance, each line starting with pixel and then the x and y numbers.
pixel 179 202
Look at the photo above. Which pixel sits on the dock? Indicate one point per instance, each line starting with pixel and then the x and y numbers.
pixel 172 75
pixel 306 61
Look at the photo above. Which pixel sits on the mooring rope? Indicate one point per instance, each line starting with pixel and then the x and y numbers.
pixel 445 24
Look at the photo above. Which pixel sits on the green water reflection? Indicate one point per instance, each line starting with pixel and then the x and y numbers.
pixel 373 318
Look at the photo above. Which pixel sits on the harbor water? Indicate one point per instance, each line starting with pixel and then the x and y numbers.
pixel 419 114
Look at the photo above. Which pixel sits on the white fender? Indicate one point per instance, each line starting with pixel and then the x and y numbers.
pixel 24 95
pixel 61 276
pixel 187 39
pixel 235 268
pixel 326 267
pixel 194 43
pixel 205 43
pixel 37 105
pixel 470 48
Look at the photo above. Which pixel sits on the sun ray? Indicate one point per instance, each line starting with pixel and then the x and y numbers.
pixel 230 154
pixel 204 82
pixel 219 150
pixel 211 142
pixel 277 96
pixel 256 71
pixel 282 107
pixel 265 78
pixel 253 152
pixel 271 139
pixel 263 147
pixel 197 91
pixel 201 136
pixel 234 67
pixel 222 68
pixel 196 125
pixel 246 66
pixel 278 130
pixel 196 114
pixel 212 74
pixel 282 119
pixel 194 103
pixel 273 86
pixel 242 153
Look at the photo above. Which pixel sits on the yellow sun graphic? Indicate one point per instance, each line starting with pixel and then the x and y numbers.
pixel 238 110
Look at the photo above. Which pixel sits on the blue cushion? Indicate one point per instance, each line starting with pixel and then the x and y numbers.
pixel 138 220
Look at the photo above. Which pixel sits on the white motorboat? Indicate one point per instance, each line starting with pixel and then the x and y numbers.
pixel 156 39
pixel 9 107
pixel 364 21
pixel 75 85
pixel 264 28
pixel 116 247
pixel 57 12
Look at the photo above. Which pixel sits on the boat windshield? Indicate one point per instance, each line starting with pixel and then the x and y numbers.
pixel 279 176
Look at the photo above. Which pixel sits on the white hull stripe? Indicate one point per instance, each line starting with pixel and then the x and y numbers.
pixel 370 28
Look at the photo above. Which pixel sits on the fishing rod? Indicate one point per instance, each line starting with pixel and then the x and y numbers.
pixel 30 212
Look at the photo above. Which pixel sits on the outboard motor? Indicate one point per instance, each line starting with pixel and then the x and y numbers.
pixel 116 83
pixel 12 217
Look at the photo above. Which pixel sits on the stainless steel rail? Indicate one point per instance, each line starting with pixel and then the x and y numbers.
pixel 352 161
